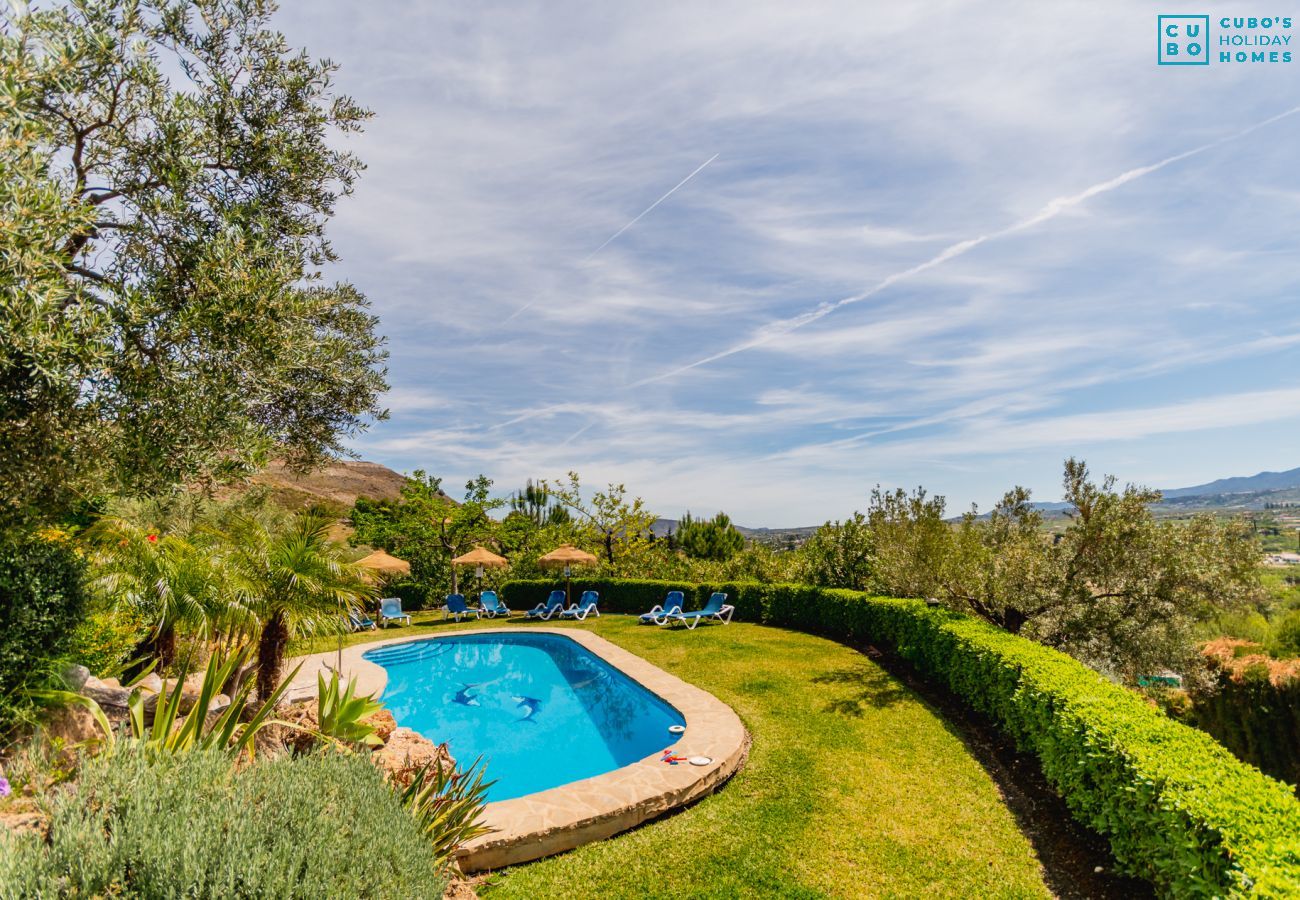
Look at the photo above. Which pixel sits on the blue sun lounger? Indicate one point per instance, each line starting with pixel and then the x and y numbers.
pixel 391 608
pixel 492 606
pixel 672 604
pixel 554 604
pixel 717 608
pixel 585 606
pixel 456 606
pixel 359 621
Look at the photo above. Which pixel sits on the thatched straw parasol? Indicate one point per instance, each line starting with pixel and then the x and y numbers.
pixel 567 556
pixel 384 564
pixel 481 559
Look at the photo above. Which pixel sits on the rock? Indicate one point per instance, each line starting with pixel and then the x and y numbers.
pixel 151 682
pixel 272 740
pixel 20 822
pixel 406 753
pixel 72 724
pixel 190 690
pixel 107 693
pixel 306 716
pixel 383 723
pixel 75 677
pixel 462 888
pixel 219 704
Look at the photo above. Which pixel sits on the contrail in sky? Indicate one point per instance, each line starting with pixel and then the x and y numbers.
pixel 615 235
pixel 609 240
pixel 1051 210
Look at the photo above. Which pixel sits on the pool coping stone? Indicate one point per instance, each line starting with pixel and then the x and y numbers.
pixel 562 818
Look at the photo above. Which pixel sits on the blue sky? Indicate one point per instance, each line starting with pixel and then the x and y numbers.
pixel 934 243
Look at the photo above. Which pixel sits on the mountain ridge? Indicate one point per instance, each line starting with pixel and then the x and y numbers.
pixel 341 482
pixel 1240 484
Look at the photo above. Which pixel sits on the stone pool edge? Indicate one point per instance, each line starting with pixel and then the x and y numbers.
pixel 562 818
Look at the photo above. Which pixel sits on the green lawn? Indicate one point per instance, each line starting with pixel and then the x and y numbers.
pixel 853 787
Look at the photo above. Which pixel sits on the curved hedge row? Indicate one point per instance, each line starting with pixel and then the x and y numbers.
pixel 1178 808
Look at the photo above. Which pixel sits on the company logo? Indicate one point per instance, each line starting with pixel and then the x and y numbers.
pixel 1183 40
pixel 1186 40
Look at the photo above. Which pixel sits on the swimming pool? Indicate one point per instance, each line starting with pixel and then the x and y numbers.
pixel 540 709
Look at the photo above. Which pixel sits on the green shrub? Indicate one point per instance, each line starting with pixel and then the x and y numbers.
pixel 1255 718
pixel 105 639
pixel 190 825
pixel 1285 641
pixel 415 595
pixel 1177 807
pixel 448 805
pixel 42 597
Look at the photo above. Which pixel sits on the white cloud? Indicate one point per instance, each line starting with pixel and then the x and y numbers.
pixel 877 228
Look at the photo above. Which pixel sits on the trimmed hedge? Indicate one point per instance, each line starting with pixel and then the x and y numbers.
pixel 1178 809
pixel 629 596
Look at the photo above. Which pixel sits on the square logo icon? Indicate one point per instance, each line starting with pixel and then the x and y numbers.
pixel 1183 40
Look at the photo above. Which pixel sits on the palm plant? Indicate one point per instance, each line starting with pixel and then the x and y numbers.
pixel 296 582
pixel 168 580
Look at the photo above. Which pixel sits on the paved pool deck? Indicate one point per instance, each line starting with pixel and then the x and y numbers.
pixel 568 816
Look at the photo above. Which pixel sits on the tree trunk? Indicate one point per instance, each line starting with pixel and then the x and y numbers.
pixel 270 654
pixel 159 645
pixel 1013 620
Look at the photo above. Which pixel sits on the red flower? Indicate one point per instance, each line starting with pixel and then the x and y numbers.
pixel 152 538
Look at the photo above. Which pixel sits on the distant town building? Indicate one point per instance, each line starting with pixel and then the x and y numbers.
pixel 1282 559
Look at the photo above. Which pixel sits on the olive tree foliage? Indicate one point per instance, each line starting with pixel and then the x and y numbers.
pixel 839 554
pixel 912 541
pixel 167 170
pixel 617 528
pixel 1117 588
pixel 1127 590
pixel 1002 567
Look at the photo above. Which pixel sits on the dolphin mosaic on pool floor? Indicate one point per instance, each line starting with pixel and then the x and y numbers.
pixel 573 814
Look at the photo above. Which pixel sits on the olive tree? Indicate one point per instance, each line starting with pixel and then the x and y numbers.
pixel 1117 588
pixel 168 168
pixel 619 528
pixel 839 554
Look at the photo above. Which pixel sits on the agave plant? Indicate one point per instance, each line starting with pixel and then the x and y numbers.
pixel 232 729
pixel 341 713
pixel 447 804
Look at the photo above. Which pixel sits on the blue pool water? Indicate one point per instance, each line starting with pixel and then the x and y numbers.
pixel 540 709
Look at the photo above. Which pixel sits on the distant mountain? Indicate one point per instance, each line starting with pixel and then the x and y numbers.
pixel 337 483
pixel 1227 495
pixel 663 527
pixel 1264 481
